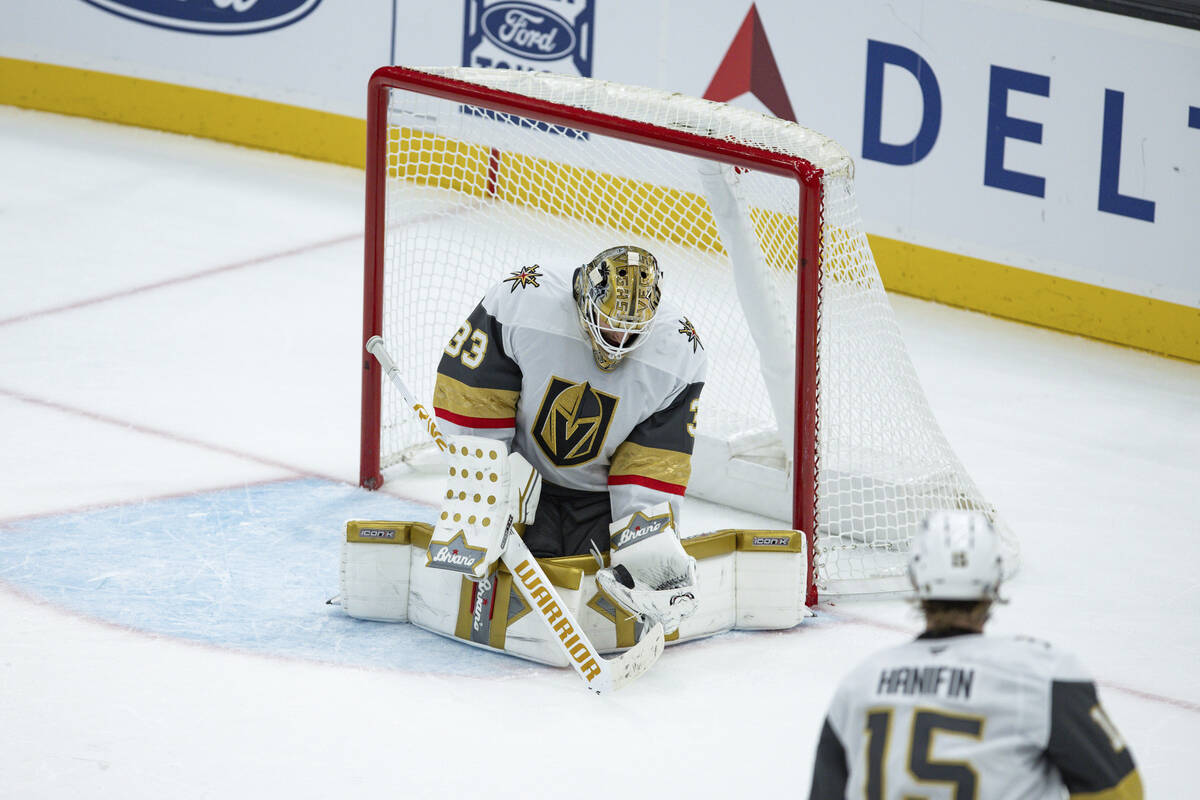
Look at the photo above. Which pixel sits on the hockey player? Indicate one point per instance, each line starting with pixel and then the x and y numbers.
pixel 584 375
pixel 961 715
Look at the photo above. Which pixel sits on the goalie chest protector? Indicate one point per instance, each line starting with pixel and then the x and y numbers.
pixel 525 364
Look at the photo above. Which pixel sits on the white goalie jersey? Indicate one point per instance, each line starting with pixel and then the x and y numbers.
pixel 520 369
pixel 969 715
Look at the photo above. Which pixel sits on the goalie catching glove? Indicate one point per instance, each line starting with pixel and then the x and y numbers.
pixel 652 576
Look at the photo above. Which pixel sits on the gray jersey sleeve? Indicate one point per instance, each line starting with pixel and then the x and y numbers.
pixel 478 382
pixel 829 767
pixel 1086 748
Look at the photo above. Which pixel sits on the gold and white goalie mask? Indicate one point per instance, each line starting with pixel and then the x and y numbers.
pixel 617 295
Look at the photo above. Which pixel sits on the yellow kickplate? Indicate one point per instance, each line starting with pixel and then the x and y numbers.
pixel 770 541
pixel 708 545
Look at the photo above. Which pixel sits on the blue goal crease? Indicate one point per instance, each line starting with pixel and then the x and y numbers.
pixel 247 568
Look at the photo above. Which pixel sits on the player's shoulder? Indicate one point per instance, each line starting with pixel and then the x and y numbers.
pixel 675 346
pixel 530 293
pixel 1014 655
pixel 684 336
pixel 1038 657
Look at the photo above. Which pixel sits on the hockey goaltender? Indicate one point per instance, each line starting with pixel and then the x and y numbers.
pixel 568 401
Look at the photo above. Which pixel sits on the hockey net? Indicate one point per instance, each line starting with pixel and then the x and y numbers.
pixel 812 411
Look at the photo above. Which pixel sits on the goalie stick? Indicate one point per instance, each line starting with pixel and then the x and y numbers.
pixel 600 674
pixel 377 348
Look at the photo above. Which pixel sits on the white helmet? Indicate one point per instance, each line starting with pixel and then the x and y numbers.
pixel 956 556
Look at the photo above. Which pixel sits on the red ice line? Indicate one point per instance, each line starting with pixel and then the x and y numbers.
pixel 250 262
pixel 299 472
pixel 1171 701
pixel 143 429
pixel 214 647
pixel 149 287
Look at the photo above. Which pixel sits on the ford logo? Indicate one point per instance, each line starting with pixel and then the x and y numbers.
pixel 528 31
pixel 216 17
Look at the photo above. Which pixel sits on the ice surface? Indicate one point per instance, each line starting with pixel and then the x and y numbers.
pixel 179 395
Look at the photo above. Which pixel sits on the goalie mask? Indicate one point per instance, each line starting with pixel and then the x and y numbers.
pixel 616 295
pixel 956 556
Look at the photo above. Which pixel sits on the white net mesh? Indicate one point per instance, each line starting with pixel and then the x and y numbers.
pixel 472 196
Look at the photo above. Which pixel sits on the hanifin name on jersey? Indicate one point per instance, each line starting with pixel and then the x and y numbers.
pixel 927 680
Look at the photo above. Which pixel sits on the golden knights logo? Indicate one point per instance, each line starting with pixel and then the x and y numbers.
pixel 689 330
pixel 526 276
pixel 572 422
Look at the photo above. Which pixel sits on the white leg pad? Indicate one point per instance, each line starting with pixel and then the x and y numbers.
pixel 771 571
pixel 529 637
pixel 433 596
pixel 716 611
pixel 490 613
pixel 375 568
pixel 745 580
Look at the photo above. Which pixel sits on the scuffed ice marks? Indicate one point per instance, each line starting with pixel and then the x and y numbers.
pixel 248 568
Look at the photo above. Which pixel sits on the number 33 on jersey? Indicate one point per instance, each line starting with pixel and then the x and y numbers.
pixel 520 369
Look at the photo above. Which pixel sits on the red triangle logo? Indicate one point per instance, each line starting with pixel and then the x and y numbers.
pixel 749 66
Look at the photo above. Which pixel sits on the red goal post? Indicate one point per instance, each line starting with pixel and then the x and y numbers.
pixel 448 149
